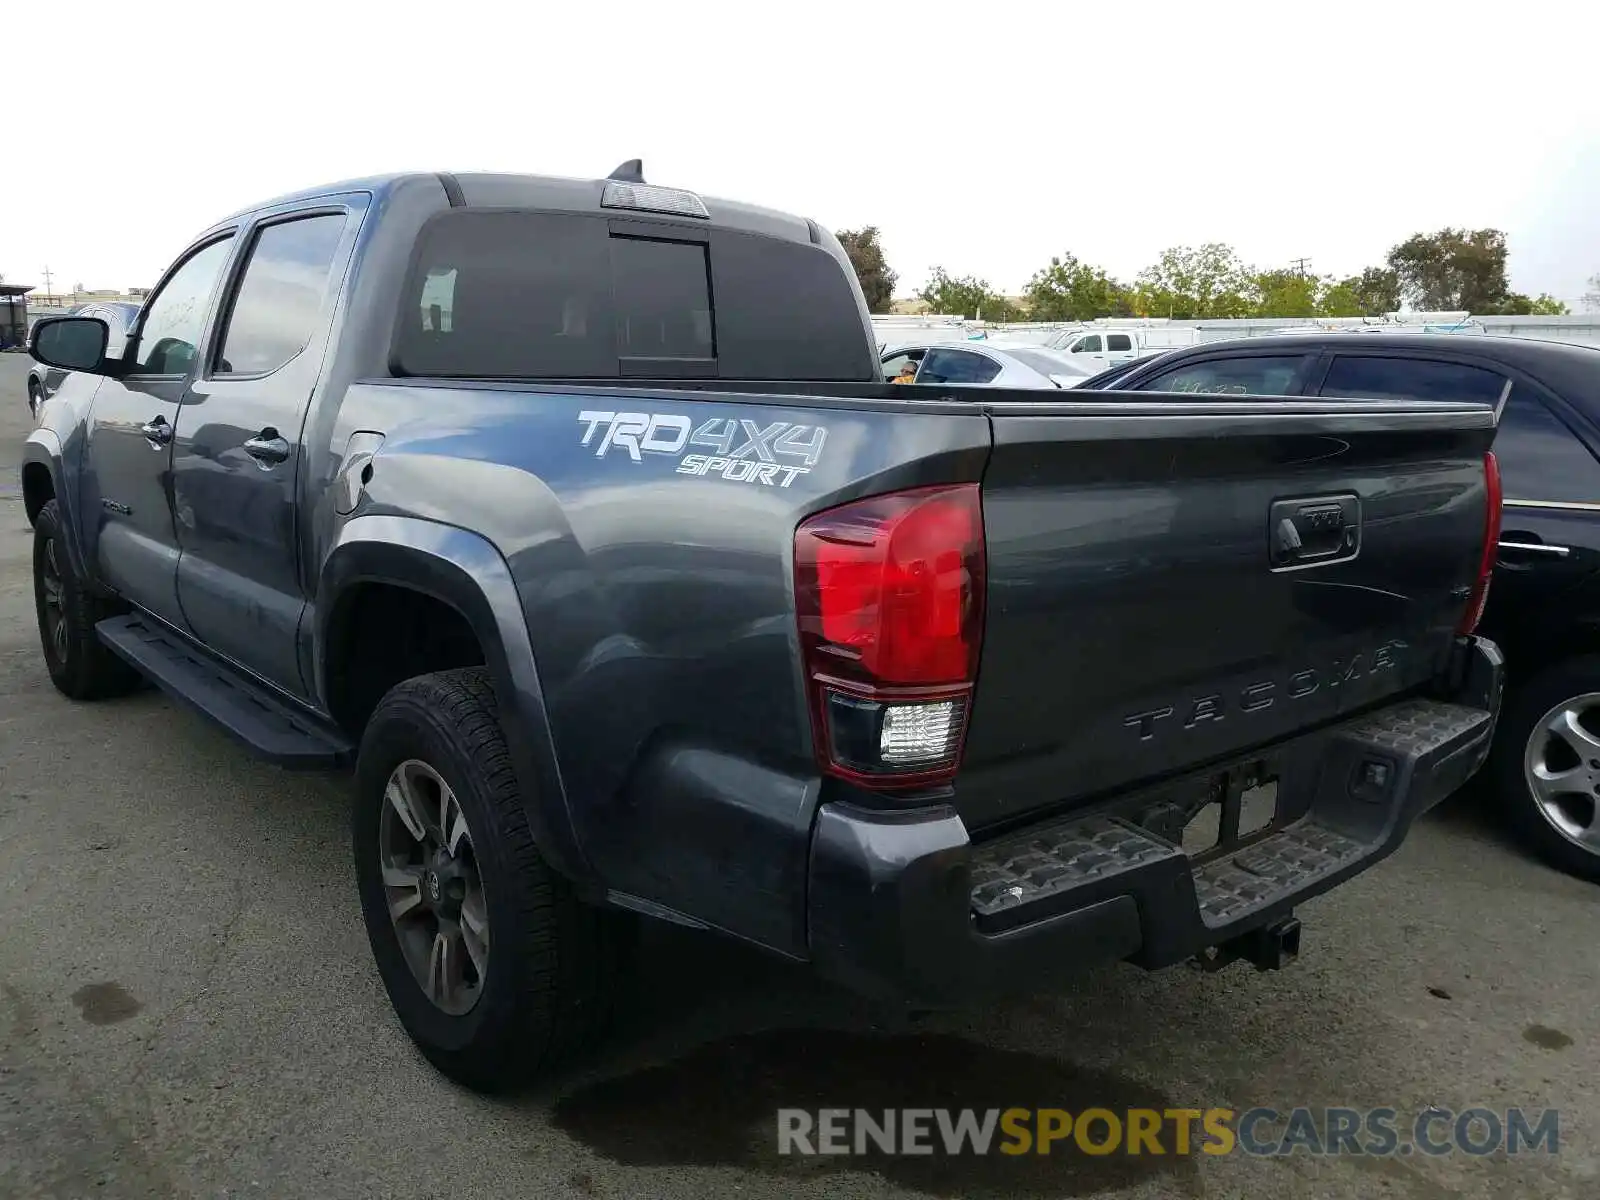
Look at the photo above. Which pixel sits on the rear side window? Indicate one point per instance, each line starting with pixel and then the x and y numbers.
pixel 280 297
pixel 1264 375
pixel 527 295
pixel 957 366
pixel 1378 378
pixel 1118 341
pixel 1540 458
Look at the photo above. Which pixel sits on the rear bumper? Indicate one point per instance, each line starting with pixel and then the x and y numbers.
pixel 906 905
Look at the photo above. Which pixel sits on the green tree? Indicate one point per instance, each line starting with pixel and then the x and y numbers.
pixel 1339 298
pixel 967 296
pixel 1286 294
pixel 1069 290
pixel 1189 283
pixel 1370 294
pixel 1517 305
pixel 872 269
pixel 1454 269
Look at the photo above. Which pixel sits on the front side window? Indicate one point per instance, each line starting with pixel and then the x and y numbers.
pixel 176 316
pixel 957 366
pixel 902 364
pixel 1088 345
pixel 1263 375
pixel 1377 377
pixel 279 300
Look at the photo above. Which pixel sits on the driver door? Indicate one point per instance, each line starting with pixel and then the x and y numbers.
pixel 127 480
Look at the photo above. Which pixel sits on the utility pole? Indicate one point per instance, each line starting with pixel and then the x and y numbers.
pixel 47 281
pixel 1300 264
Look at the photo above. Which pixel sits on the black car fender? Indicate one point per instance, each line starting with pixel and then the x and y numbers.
pixel 465 571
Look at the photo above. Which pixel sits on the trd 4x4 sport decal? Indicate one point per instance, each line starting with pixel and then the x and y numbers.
pixel 744 451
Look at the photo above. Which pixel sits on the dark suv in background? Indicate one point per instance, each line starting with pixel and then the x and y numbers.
pixel 1544 605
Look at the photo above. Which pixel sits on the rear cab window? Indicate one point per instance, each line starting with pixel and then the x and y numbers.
pixel 541 295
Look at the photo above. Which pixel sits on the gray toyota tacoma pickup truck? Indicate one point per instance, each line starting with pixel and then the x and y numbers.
pixel 577 517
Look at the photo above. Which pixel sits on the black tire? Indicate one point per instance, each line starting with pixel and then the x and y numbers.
pixel 550 982
pixel 1519 720
pixel 79 663
pixel 35 396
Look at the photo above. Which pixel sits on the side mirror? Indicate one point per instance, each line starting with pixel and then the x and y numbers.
pixel 71 343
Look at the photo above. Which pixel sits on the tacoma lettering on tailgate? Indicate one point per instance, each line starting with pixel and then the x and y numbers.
pixel 1257 697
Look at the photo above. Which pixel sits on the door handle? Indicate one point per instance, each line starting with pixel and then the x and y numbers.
pixel 1537 548
pixel 157 431
pixel 267 447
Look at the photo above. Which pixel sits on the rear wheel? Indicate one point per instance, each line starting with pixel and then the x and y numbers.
pixel 79 663
pixel 494 968
pixel 35 396
pixel 1547 764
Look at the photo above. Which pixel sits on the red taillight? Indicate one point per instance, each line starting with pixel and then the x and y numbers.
pixel 889 593
pixel 1491 547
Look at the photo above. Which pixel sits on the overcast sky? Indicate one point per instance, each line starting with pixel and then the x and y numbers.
pixel 981 136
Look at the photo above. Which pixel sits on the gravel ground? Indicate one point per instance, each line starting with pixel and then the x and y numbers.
pixel 187 1008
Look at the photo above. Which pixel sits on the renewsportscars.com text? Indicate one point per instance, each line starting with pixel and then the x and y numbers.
pixel 1180 1131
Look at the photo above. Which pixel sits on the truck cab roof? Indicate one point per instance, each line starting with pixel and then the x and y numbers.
pixel 549 193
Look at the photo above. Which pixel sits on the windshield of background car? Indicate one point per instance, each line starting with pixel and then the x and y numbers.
pixel 1048 364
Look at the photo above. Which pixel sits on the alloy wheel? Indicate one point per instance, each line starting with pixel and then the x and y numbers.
pixel 54 610
pixel 433 887
pixel 1562 768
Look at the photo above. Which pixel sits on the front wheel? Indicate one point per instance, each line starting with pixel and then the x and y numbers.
pixel 494 968
pixel 1547 764
pixel 79 663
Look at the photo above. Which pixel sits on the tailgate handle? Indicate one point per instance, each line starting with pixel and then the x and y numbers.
pixel 1313 531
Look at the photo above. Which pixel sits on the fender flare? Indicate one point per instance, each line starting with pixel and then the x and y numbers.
pixel 467 572
pixel 43 449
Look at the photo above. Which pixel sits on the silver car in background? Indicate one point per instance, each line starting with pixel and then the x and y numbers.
pixel 992 363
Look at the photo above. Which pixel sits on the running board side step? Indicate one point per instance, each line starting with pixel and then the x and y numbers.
pixel 244 708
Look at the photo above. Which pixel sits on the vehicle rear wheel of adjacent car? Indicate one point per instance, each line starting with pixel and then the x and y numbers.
pixel 1547 764
pixel 35 396
pixel 79 663
pixel 493 966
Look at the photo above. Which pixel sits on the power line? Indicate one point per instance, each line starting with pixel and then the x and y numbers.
pixel 47 289
pixel 1300 265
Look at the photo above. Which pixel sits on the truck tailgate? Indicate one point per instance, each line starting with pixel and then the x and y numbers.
pixel 1149 609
